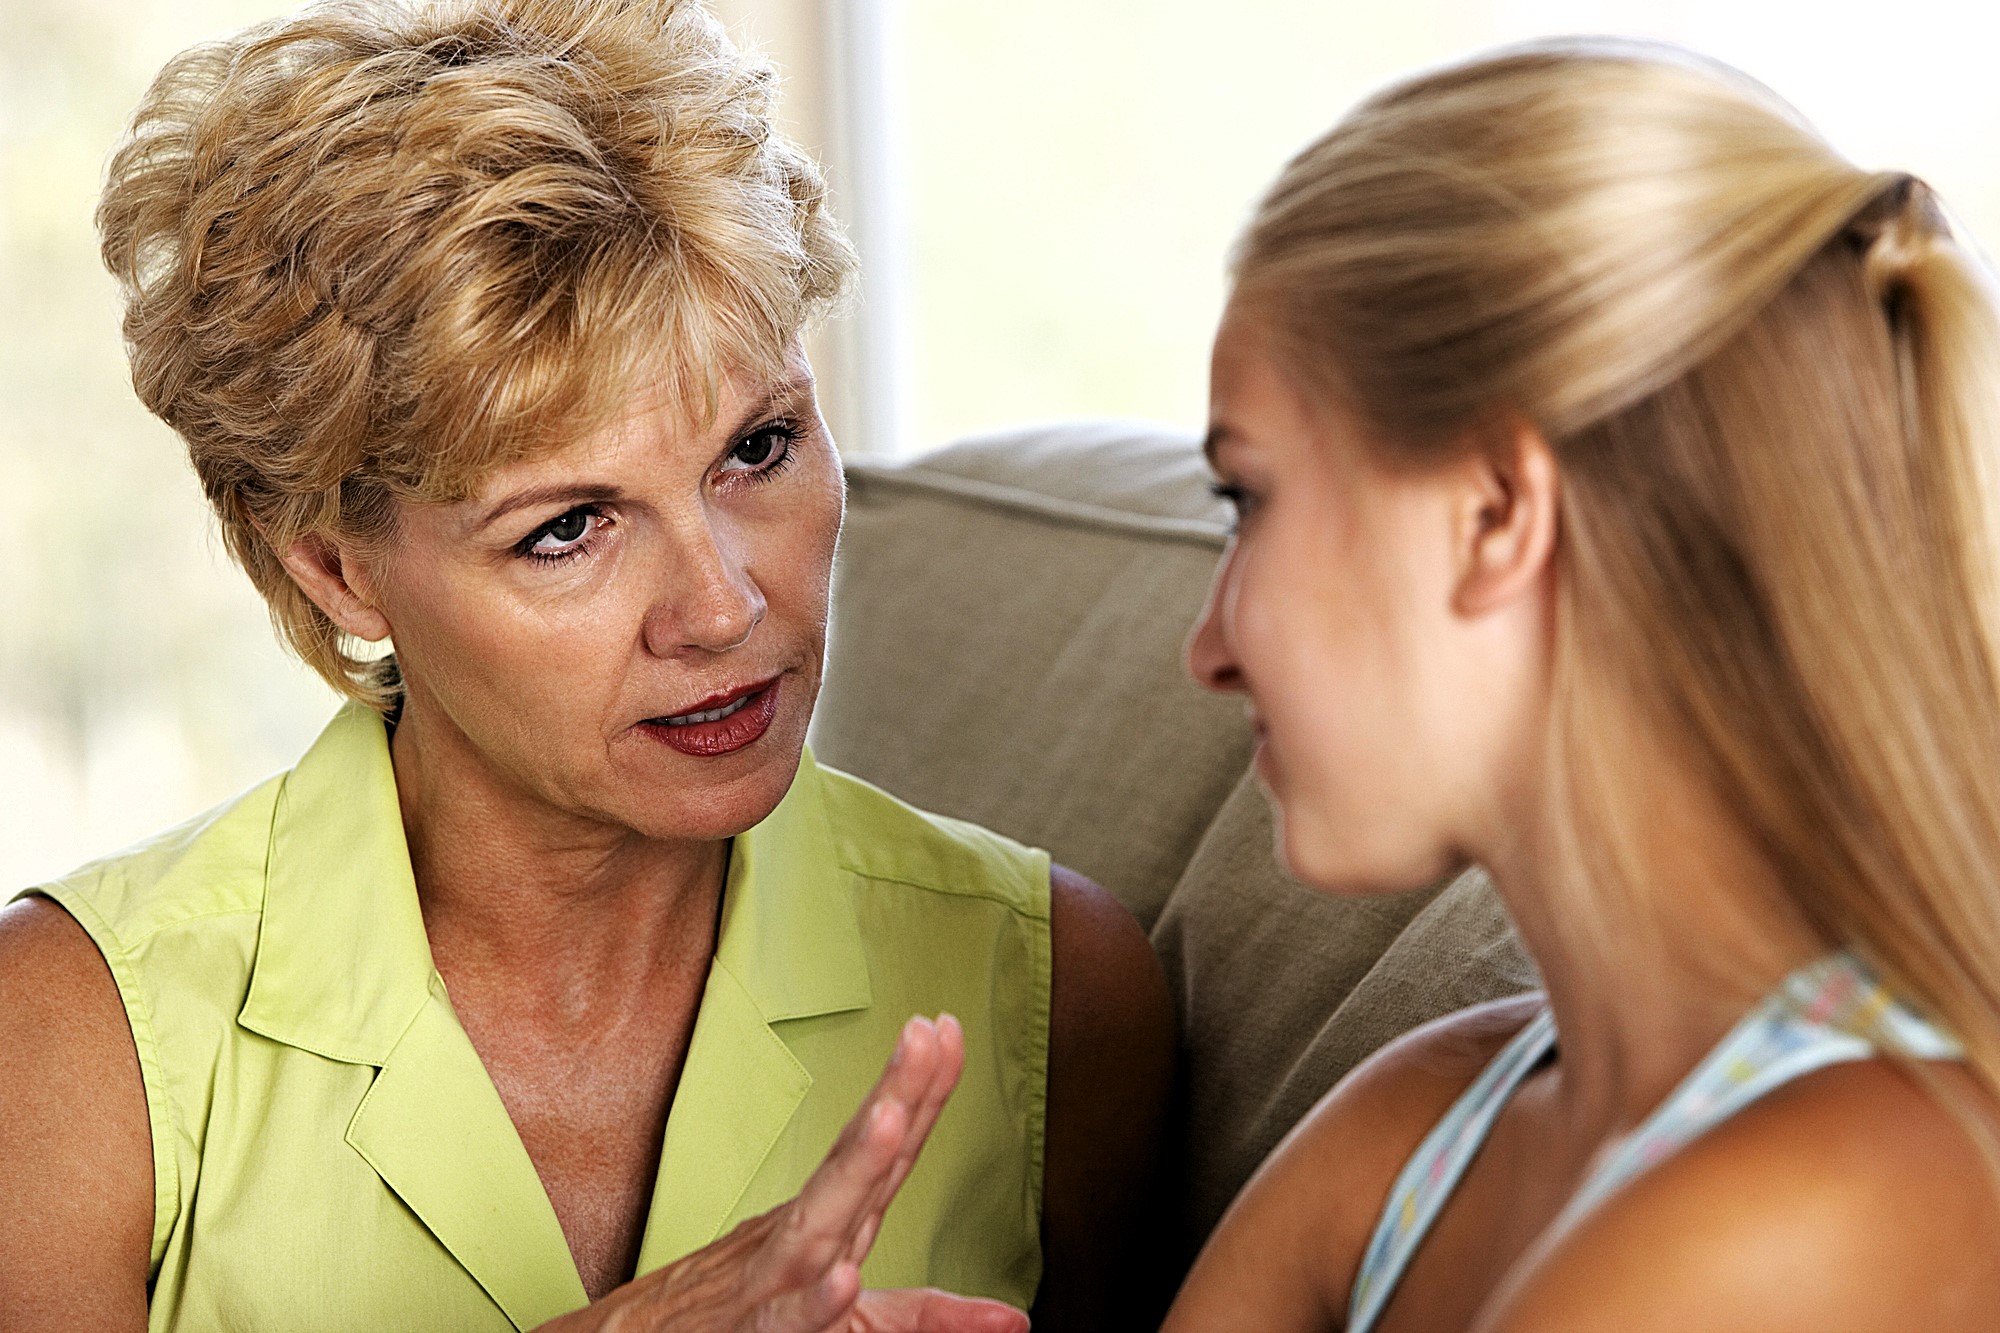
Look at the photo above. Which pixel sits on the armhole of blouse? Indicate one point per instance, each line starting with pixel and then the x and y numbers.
pixel 1041 941
pixel 138 1015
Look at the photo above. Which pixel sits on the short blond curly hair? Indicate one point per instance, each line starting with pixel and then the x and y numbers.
pixel 372 250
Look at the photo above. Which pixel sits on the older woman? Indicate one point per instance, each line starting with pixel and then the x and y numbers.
pixel 557 957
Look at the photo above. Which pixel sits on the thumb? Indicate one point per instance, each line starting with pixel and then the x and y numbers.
pixel 927 1310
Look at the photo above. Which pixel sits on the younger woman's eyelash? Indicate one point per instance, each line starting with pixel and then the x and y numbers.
pixel 1234 495
pixel 1239 500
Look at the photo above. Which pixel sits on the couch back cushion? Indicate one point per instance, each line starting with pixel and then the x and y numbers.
pixel 1009 615
pixel 1006 648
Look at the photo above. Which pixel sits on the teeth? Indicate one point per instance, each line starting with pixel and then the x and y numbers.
pixel 712 715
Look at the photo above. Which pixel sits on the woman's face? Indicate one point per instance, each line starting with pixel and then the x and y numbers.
pixel 629 630
pixel 1384 691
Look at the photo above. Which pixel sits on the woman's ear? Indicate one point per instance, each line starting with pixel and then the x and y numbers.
pixel 338 584
pixel 1506 529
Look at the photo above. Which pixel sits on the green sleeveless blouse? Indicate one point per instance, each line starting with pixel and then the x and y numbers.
pixel 329 1153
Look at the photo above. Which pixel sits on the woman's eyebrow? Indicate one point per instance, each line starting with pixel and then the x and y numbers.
pixel 784 393
pixel 569 493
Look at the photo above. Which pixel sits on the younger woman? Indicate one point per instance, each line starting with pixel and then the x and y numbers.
pixel 1614 463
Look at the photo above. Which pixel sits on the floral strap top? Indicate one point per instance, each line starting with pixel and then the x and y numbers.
pixel 1826 1013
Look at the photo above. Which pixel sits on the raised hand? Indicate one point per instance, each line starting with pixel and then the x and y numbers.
pixel 797 1268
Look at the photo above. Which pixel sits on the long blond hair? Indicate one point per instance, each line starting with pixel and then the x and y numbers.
pixel 1772 381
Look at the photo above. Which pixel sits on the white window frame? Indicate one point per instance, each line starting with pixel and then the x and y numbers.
pixel 836 67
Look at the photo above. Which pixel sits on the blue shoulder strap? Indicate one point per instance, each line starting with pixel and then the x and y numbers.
pixel 1434 1170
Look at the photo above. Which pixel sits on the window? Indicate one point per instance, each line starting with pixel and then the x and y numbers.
pixel 1074 170
pixel 1043 190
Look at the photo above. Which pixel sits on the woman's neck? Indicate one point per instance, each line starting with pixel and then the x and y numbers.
pixel 558 908
pixel 1703 931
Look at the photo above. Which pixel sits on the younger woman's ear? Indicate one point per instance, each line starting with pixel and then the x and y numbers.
pixel 338 584
pixel 1506 529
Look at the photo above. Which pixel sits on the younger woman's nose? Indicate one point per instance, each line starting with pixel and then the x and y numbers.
pixel 1209 658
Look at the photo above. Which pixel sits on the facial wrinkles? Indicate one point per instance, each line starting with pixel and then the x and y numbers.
pixel 491 599
pixel 762 558
pixel 600 596
pixel 588 600
pixel 517 648
pixel 709 576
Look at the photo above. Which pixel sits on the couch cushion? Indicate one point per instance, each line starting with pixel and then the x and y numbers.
pixel 1282 989
pixel 1006 647
pixel 1006 654
pixel 1124 468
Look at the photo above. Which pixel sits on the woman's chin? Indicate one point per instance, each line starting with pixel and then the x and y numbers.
pixel 1351 859
pixel 671 793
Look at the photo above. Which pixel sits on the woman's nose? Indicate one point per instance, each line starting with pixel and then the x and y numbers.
pixel 711 601
pixel 1209 657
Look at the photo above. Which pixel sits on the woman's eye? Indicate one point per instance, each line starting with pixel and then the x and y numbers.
pixel 1237 498
pixel 762 451
pixel 563 536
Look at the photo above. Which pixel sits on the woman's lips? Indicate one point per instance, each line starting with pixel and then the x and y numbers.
pixel 750 719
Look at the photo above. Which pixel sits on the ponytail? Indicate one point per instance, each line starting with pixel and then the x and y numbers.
pixel 1772 382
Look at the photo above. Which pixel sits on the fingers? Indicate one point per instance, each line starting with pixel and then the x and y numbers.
pixel 950 1063
pixel 852 1185
pixel 921 1049
pixel 903 1085
pixel 918 1310
pixel 944 1078
pixel 835 1202
pixel 797 1269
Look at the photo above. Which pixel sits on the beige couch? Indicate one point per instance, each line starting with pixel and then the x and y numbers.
pixel 1006 647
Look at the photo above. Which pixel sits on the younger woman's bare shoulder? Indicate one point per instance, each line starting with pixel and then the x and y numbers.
pixel 1367 1127
pixel 1851 1199
pixel 1285 1254
pixel 76 1159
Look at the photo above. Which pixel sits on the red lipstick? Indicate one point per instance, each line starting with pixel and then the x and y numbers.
pixel 745 714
